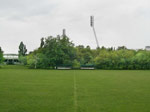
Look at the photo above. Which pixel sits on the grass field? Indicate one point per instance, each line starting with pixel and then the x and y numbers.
pixel 26 90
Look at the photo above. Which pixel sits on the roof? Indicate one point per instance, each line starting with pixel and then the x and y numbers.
pixel 11 56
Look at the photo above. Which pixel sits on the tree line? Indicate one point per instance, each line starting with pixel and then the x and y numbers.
pixel 60 51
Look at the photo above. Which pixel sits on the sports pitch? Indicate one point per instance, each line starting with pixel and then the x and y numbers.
pixel 27 90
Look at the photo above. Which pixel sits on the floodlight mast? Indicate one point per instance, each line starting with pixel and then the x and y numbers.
pixel 92 25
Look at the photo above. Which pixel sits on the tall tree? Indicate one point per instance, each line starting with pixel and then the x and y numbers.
pixel 42 43
pixel 22 49
pixel 1 56
pixel 59 50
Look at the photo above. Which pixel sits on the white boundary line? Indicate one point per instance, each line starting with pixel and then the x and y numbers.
pixel 75 93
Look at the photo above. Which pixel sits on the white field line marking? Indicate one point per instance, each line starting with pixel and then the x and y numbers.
pixel 75 94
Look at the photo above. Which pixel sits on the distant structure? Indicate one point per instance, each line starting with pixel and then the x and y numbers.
pixel 64 32
pixel 147 48
pixel 92 25
pixel 11 59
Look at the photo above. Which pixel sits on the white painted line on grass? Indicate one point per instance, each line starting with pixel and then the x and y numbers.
pixel 75 94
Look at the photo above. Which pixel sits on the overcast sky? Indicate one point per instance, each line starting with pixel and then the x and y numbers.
pixel 117 22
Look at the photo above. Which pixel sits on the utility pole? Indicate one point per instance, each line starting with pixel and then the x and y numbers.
pixel 92 25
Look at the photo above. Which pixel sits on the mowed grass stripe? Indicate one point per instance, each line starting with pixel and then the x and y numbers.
pixel 36 91
pixel 113 91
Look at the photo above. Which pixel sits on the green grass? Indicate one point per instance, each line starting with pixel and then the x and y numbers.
pixel 27 90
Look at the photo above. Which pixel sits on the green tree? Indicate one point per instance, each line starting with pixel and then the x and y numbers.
pixel 37 60
pixel 84 55
pixel 22 49
pixel 42 43
pixel 53 52
pixel 76 64
pixel 121 47
pixel 59 50
pixel 23 60
pixel 1 56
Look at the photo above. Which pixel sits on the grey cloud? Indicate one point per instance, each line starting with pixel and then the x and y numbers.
pixel 21 9
pixel 117 22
